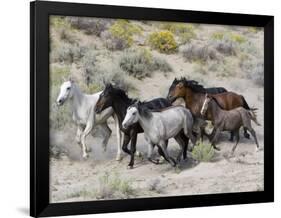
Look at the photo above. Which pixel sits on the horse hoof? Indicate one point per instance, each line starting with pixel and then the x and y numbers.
pixel 257 149
pixel 247 135
pixel 216 148
pixel 118 158
pixel 89 149
pixel 85 156
pixel 138 154
pixel 129 167
pixel 161 160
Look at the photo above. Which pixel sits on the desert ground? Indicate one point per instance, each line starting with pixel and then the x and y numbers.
pixel 102 177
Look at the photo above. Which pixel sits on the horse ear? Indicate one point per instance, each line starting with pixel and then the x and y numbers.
pixel 70 78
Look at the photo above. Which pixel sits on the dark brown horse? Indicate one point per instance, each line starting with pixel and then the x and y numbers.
pixel 194 94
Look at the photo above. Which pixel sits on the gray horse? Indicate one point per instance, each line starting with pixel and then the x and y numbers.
pixel 161 125
pixel 230 120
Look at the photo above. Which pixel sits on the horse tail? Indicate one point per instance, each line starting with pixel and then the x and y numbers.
pixel 253 116
pixel 245 104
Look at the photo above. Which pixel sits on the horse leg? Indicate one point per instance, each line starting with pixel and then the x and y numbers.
pixel 214 139
pixel 126 141
pixel 106 133
pixel 119 138
pixel 78 135
pixel 160 151
pixel 231 136
pixel 188 134
pixel 133 149
pixel 253 133
pixel 149 154
pixel 163 145
pixel 183 146
pixel 246 135
pixel 86 132
pixel 237 135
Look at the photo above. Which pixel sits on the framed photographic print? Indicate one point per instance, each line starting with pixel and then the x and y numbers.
pixel 142 109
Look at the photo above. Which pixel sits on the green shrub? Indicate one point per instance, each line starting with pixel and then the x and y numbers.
pixel 225 46
pixel 120 35
pixel 94 26
pixel 254 70
pixel 163 41
pixel 89 66
pixel 97 73
pixel 237 38
pixel 112 187
pixel 250 48
pixel 227 42
pixel 67 35
pixel 58 73
pixel 59 116
pixel 67 53
pixel 140 63
pixel 203 152
pixel 197 52
pixel 57 21
pixel 186 32
pixel 217 36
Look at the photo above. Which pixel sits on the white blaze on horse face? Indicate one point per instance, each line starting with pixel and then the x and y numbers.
pixel 205 106
pixel 65 92
pixel 131 117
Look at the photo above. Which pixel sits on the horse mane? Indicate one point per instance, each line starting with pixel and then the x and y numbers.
pixel 166 108
pixel 143 109
pixel 193 85
pixel 121 94
pixel 216 101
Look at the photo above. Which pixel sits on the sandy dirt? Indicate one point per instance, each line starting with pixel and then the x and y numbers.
pixel 74 179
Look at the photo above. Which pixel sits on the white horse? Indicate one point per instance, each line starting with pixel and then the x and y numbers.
pixel 83 114
pixel 159 126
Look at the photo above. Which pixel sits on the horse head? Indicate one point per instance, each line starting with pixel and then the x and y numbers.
pixel 105 98
pixel 177 90
pixel 132 115
pixel 66 92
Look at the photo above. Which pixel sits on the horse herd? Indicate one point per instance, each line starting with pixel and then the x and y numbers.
pixel 158 118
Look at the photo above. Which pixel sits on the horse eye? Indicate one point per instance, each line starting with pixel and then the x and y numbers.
pixel 68 88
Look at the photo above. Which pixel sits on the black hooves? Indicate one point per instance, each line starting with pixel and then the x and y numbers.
pixel 216 148
pixel 247 135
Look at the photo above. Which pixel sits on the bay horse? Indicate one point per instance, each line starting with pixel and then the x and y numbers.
pixel 228 120
pixel 117 99
pixel 161 125
pixel 83 114
pixel 194 95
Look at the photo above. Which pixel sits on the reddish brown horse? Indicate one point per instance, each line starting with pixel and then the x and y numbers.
pixel 194 94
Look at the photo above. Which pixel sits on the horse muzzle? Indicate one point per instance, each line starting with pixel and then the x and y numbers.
pixel 60 102
pixel 125 126
pixel 98 110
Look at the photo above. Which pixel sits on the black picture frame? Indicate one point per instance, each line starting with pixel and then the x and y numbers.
pixel 39 108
